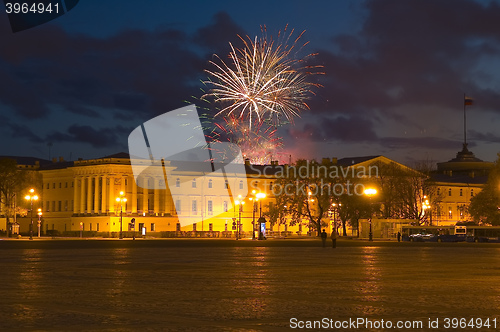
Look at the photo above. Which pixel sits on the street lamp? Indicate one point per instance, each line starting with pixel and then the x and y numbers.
pixel 122 199
pixel 426 206
pixel 253 213
pixel 370 192
pixel 31 197
pixel 260 196
pixel 39 220
pixel 262 220
pixel 240 209
pixel 309 201
pixel 335 205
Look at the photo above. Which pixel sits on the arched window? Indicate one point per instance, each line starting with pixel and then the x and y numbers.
pixel 178 182
pixel 460 192
pixel 226 184
pixel 449 192
pixel 210 183
pixel 193 184
pixel 241 184
pixel 472 193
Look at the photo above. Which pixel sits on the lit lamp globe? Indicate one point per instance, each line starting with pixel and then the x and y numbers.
pixel 370 192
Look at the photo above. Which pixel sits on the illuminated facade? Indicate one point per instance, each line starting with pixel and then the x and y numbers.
pixel 81 196
pixel 457 181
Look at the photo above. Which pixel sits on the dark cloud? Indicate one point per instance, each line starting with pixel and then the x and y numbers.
pixel 424 143
pixel 144 73
pixel 411 53
pixel 346 129
pixel 130 101
pixel 17 130
pixel 485 137
pixel 358 130
pixel 97 138
pixel 216 36
pixel 134 75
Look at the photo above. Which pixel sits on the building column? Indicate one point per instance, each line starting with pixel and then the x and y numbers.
pixel 134 195
pixel 96 194
pixel 89 194
pixel 156 194
pixel 145 194
pixel 112 194
pixel 75 195
pixel 103 194
pixel 82 194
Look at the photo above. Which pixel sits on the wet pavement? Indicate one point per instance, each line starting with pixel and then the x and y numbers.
pixel 220 286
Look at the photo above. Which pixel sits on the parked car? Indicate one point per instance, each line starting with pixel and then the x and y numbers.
pixel 423 238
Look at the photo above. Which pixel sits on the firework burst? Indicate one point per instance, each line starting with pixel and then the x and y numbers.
pixel 262 81
pixel 259 144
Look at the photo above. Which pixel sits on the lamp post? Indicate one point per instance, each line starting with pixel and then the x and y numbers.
pixel 262 220
pixel 370 192
pixel 334 224
pixel 240 210
pixel 39 221
pixel 253 213
pixel 426 206
pixel 122 199
pixel 309 201
pixel 260 196
pixel 31 197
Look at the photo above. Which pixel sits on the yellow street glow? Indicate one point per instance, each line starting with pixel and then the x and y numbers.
pixel 370 191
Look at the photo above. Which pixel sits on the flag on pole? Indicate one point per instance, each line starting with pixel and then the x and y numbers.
pixel 467 100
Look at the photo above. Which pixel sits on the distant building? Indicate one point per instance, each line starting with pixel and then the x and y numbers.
pixel 457 181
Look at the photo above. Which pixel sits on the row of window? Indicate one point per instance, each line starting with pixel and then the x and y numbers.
pixel 90 228
pixel 177 184
pixel 210 227
pixel 210 184
pixel 460 192
pixel 226 228
pixel 60 185
pixel 194 206
pixel 57 206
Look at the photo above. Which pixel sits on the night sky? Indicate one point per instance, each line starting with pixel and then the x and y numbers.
pixel 395 74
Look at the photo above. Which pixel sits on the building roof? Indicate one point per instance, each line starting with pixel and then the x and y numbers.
pixel 355 160
pixel 119 155
pixel 57 165
pixel 464 162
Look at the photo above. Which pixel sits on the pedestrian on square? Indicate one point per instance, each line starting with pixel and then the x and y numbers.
pixel 399 237
pixel 334 238
pixel 323 238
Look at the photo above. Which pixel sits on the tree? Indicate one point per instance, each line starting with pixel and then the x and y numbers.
pixel 12 182
pixel 484 207
pixel 276 212
pixel 304 188
pixel 350 209
pixel 403 191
